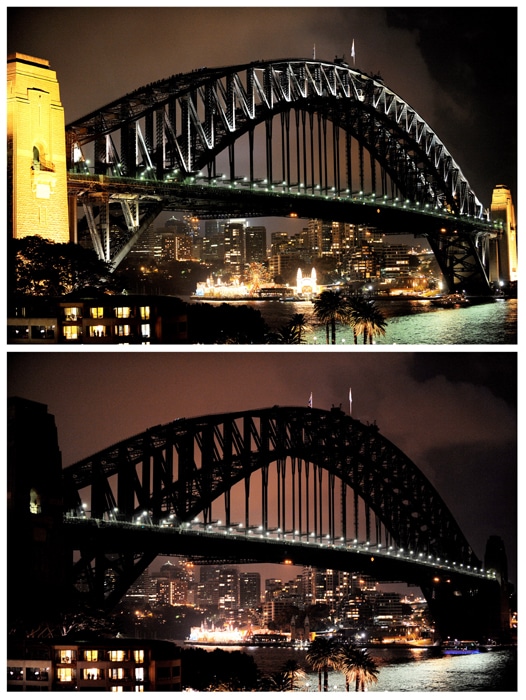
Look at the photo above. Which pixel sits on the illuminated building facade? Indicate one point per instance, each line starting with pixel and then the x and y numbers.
pixel 110 665
pixel 107 320
pixel 218 588
pixel 36 151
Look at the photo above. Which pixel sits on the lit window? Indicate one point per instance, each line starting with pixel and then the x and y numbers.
pixel 145 330
pixel 139 689
pixel 64 675
pixel 122 330
pixel 122 312
pixel 117 689
pixel 138 656
pixel 145 312
pixel 34 502
pixel 139 674
pixel 66 656
pixel 72 313
pixel 116 673
pixel 71 332
pixel 97 312
pixel 116 655
pixel 91 674
pixel 96 331
pixel 91 655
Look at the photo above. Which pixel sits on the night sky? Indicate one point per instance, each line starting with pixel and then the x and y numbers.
pixel 456 66
pixel 452 413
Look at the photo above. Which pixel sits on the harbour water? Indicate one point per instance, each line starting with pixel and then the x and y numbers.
pixel 409 670
pixel 410 322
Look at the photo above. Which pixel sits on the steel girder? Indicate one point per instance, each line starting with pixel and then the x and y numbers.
pixel 180 468
pixel 184 121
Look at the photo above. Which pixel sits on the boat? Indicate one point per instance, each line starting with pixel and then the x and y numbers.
pixel 450 301
pixel 460 648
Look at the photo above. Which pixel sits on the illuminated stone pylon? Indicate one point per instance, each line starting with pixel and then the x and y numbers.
pixel 504 262
pixel 36 151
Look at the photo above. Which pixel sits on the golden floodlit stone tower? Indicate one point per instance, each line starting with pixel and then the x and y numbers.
pixel 505 257
pixel 36 151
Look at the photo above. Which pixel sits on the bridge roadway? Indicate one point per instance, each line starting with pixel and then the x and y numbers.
pixel 463 601
pixel 235 544
pixel 217 198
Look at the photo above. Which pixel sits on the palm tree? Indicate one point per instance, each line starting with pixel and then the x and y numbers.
pixel 299 325
pixel 293 672
pixel 346 662
pixel 366 318
pixel 331 308
pixel 357 665
pixel 322 654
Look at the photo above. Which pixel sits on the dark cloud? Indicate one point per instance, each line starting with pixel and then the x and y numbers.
pixel 494 370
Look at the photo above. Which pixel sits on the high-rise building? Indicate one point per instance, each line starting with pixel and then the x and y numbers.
pixel 235 251
pixel 255 244
pixel 218 587
pixel 249 589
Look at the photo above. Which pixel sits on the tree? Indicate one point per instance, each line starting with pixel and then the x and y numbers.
pixel 365 317
pixel 322 655
pixel 299 325
pixel 293 672
pixel 331 308
pixel 357 666
pixel 44 268
pixel 292 332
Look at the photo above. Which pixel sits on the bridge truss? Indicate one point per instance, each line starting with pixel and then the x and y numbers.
pixel 301 475
pixel 298 132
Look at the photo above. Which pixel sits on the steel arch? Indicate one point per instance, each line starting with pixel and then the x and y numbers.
pixel 182 467
pixel 189 118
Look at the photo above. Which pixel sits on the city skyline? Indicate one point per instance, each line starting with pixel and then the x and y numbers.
pixel 453 414
pixel 436 59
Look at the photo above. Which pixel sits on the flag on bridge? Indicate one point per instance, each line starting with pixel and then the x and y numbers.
pixel 353 55
pixel 310 400
pixel 350 402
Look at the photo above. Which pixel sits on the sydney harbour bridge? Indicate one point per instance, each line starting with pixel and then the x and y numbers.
pixel 293 137
pixel 292 485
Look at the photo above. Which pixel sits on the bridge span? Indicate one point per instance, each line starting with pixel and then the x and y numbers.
pixel 298 137
pixel 282 485
pixel 288 137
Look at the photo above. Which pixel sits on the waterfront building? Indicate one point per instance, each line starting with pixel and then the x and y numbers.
pixel 105 320
pixel 110 665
